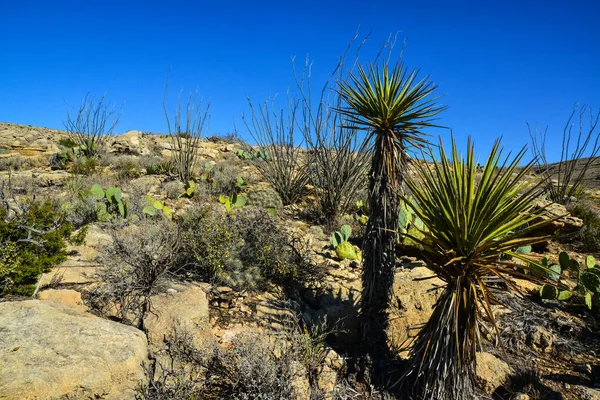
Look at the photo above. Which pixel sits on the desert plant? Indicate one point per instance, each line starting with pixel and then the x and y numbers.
pixel 233 202
pixel 154 207
pixel 67 142
pixel 33 238
pixel 186 134
pixel 134 265
pixel 265 197
pixel 343 248
pixel 92 125
pixel 587 239
pixel 338 158
pixel 84 165
pixel 393 106
pixel 586 276
pixel 274 132
pixel 565 180
pixel 362 213
pixel 110 202
pixel 259 154
pixel 470 226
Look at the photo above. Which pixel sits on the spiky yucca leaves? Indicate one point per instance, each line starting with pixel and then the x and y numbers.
pixel 469 226
pixel 393 106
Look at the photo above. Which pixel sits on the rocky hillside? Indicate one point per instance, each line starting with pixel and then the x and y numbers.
pixel 73 340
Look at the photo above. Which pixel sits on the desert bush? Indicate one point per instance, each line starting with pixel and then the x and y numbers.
pixel 33 237
pixel 92 125
pixel 253 366
pixel 186 134
pixel 134 265
pixel 564 180
pixel 338 158
pixel 127 167
pixel 587 239
pixel 274 132
pixel 14 163
pixel 84 166
pixel 264 197
pixel 245 250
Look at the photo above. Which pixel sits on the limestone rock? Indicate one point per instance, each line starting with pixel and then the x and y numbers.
pixel 129 143
pixel 491 372
pixel 67 297
pixel 186 308
pixel 52 351
pixel 554 210
pixel 412 302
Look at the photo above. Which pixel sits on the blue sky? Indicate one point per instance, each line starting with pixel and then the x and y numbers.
pixel 499 63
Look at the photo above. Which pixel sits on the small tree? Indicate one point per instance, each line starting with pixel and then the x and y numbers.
pixel 393 106
pixel 186 132
pixel 92 125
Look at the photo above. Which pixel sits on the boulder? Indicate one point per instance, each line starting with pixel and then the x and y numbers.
pixel 66 297
pixel 129 143
pixel 492 372
pixel 412 302
pixel 184 306
pixel 562 219
pixel 52 351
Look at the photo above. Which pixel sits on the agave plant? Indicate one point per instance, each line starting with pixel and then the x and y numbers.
pixel 470 226
pixel 393 106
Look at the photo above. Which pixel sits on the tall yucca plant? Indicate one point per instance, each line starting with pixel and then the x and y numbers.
pixel 469 226
pixel 393 106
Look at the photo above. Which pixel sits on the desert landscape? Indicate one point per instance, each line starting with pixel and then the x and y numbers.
pixel 122 280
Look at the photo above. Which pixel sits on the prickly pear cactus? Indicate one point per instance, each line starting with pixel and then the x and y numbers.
pixel 345 251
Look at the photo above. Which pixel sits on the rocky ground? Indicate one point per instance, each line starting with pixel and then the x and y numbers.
pixel 54 346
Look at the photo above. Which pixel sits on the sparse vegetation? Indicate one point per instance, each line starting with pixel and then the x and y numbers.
pixel 469 227
pixel 92 125
pixel 393 106
pixel 564 180
pixel 33 238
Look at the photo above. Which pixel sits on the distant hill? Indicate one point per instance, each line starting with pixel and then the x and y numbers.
pixel 591 178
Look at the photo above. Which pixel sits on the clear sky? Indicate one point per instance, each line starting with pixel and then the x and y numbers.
pixel 499 63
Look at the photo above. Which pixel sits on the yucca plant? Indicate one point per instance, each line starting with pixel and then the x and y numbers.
pixel 469 226
pixel 393 106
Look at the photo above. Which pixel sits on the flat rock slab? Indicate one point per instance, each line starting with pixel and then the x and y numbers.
pixel 70 275
pixel 49 351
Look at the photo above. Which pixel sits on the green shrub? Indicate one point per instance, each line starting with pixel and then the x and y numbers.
pixel 84 166
pixel 67 142
pixel 245 250
pixel 31 243
pixel 587 239
pixel 134 266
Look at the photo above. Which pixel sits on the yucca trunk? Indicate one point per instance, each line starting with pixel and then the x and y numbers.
pixel 379 245
pixel 442 359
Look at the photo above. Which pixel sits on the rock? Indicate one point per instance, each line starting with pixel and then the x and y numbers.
pixel 520 396
pixel 67 297
pixel 540 339
pixel 554 210
pixel 491 372
pixel 187 308
pixel 129 143
pixel 74 273
pixel 412 302
pixel 52 351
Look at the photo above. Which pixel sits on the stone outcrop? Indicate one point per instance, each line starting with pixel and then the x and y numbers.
pixel 412 302
pixel 182 306
pixel 52 351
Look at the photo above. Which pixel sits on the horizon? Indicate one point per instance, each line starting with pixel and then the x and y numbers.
pixel 497 67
